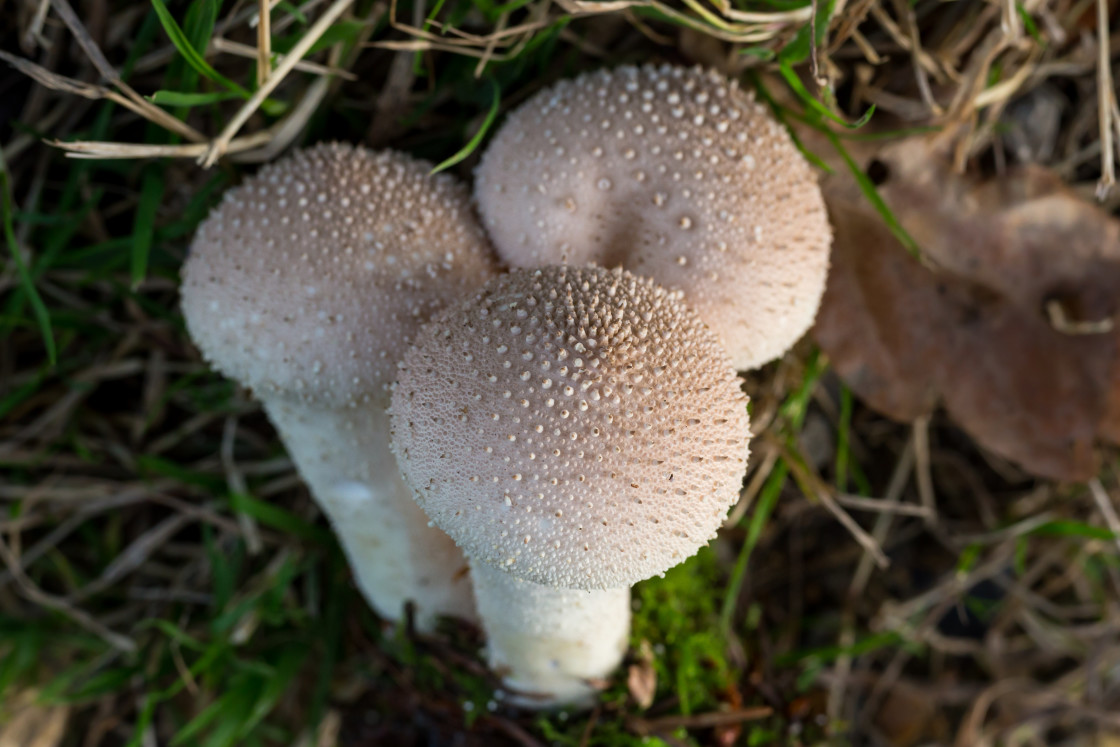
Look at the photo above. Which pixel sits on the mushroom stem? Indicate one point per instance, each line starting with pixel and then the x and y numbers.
pixel 343 455
pixel 553 647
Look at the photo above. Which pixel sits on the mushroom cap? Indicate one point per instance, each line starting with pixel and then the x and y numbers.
pixel 576 427
pixel 311 278
pixel 672 173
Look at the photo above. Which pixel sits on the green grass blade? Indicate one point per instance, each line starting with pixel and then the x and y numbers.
pixel 186 100
pixel 867 187
pixel 293 11
pixel 42 316
pixel 22 393
pixel 291 660
pixel 1029 25
pixel 330 636
pixel 764 506
pixel 200 21
pixel 1065 528
pixel 193 57
pixel 815 104
pixel 21 659
pixel 469 148
pixel 278 518
pixel 198 724
pixel 143 228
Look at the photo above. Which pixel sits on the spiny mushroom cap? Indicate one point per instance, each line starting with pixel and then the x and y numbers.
pixel 671 173
pixel 312 277
pixel 579 428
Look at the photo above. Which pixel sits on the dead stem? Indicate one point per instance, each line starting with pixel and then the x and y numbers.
pixel 1104 108
pixel 220 145
pixel 264 42
pixel 841 672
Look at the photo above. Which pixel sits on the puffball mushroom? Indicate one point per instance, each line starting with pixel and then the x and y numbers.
pixel 307 285
pixel 672 173
pixel 575 430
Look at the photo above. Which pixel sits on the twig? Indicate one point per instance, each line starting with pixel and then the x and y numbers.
pixel 896 616
pixel 899 477
pixel 1010 22
pixel 120 499
pixel 811 484
pixel 34 31
pixel 866 541
pixel 881 505
pixel 925 479
pixel 971 727
pixel 40 597
pixel 906 11
pixel 85 41
pixel 133 556
pixel 1108 511
pixel 922 57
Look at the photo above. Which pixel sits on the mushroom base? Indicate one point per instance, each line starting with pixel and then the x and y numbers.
pixel 552 647
pixel 396 555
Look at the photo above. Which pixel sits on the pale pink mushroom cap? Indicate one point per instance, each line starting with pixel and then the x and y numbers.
pixel 675 174
pixel 311 278
pixel 576 427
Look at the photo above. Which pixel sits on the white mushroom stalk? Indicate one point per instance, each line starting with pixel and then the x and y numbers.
pixel 675 174
pixel 552 646
pixel 575 431
pixel 307 285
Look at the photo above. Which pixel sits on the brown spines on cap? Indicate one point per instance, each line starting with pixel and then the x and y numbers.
pixel 311 278
pixel 579 428
pixel 671 173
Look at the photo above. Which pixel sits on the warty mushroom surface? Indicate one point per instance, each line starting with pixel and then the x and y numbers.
pixel 307 284
pixel 575 430
pixel 673 173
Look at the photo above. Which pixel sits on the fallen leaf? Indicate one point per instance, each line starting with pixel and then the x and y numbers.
pixel 1011 329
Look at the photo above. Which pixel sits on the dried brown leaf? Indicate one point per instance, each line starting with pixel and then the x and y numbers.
pixel 980 333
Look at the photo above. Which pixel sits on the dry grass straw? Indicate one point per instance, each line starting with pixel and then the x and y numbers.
pixel 220 145
pixel 718 20
pixel 207 150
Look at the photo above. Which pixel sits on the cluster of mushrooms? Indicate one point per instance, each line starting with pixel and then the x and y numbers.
pixel 565 428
